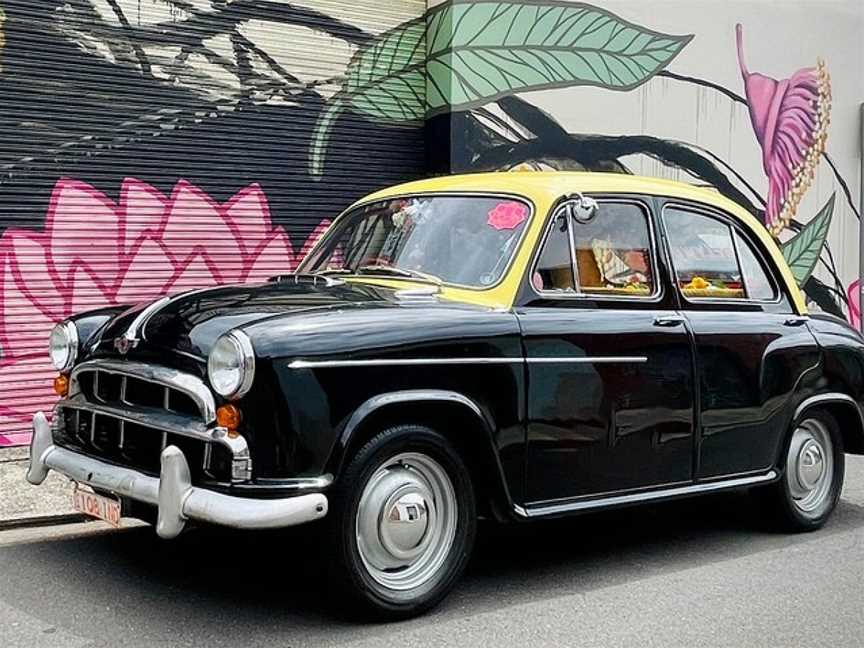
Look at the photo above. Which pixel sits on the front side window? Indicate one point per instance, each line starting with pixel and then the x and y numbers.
pixel 463 240
pixel 712 260
pixel 608 255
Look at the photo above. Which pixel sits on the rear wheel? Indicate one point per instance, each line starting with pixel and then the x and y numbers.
pixel 813 473
pixel 403 522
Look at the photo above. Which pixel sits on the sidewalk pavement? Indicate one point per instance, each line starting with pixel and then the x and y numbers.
pixel 20 500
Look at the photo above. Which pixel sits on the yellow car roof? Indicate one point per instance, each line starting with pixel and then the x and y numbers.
pixel 543 188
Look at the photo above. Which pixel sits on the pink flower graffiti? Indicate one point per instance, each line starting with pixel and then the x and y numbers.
pixel 853 292
pixel 95 252
pixel 790 119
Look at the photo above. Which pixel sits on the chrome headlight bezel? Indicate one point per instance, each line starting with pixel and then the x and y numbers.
pixel 232 355
pixel 66 335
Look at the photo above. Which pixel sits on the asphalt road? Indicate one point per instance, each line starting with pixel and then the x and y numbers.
pixel 705 572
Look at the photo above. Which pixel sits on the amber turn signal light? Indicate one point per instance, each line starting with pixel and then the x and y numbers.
pixel 228 416
pixel 61 385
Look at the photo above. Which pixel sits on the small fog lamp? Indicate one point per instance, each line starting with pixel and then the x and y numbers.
pixel 61 386
pixel 228 417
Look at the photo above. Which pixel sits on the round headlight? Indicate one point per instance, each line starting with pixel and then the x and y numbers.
pixel 63 346
pixel 231 365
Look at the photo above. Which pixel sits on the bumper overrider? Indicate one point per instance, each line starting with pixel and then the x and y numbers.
pixel 177 500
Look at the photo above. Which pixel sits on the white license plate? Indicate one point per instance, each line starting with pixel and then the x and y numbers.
pixel 103 508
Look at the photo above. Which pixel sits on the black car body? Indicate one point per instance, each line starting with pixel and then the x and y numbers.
pixel 551 394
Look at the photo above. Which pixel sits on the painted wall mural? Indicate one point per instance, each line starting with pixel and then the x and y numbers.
pixel 149 244
pixel 146 127
pixel 506 54
pixel 150 146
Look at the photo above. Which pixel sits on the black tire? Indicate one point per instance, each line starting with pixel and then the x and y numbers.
pixel 781 498
pixel 352 578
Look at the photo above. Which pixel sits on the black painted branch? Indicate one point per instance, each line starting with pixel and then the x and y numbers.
pixel 704 83
pixel 843 185
pixel 203 25
pixel 593 151
pixel 146 70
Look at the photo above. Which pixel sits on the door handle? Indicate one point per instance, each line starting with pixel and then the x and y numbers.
pixel 668 320
pixel 794 321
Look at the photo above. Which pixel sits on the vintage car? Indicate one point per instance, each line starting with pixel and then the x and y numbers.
pixel 515 346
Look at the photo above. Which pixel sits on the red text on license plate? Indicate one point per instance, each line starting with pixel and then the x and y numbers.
pixel 103 508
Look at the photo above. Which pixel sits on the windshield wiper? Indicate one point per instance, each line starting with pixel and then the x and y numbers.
pixel 399 272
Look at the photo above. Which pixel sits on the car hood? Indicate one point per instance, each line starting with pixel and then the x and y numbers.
pixel 190 323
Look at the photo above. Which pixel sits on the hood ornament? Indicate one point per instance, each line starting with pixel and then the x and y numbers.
pixel 124 344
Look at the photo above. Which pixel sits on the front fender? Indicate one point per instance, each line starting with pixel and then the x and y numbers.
pixel 429 406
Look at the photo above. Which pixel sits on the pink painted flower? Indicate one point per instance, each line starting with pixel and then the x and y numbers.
pixel 853 292
pixel 790 118
pixel 507 215
pixel 95 252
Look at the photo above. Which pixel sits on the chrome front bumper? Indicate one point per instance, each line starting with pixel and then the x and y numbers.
pixel 172 492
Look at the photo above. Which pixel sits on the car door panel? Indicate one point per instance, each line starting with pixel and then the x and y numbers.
pixel 752 350
pixel 610 403
pixel 749 365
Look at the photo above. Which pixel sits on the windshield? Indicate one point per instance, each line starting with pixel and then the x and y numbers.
pixel 464 240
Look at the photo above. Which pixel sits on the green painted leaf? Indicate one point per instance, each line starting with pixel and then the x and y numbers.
pixel 802 252
pixel 467 53
pixel 479 51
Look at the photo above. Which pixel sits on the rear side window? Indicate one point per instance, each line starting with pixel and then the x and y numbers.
pixel 712 260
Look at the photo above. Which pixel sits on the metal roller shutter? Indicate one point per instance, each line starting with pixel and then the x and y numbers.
pixel 151 146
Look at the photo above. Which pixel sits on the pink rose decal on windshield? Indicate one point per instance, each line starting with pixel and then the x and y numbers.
pixel 790 119
pixel 507 215
pixel 96 252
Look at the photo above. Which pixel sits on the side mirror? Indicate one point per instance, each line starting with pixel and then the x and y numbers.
pixel 581 208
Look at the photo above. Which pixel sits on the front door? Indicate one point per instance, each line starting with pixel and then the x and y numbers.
pixel 752 350
pixel 609 361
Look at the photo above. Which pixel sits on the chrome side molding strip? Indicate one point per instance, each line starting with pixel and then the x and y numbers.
pixel 589 360
pixel 643 496
pixel 395 362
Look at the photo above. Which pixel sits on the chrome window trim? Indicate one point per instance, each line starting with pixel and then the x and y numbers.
pixel 729 221
pixel 589 503
pixel 192 386
pixel 532 212
pixel 654 297
pixel 384 362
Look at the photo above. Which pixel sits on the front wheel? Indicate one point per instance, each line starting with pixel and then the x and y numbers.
pixel 813 473
pixel 403 521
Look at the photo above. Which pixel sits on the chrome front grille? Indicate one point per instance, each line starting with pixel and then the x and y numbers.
pixel 129 412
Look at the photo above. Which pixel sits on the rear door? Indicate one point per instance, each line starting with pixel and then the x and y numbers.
pixel 752 350
pixel 610 365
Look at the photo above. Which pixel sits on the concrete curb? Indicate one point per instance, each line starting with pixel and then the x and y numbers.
pixel 44 520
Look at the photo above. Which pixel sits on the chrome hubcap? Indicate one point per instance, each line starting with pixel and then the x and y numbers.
pixel 406 521
pixel 810 465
